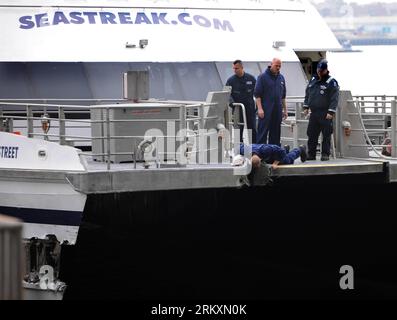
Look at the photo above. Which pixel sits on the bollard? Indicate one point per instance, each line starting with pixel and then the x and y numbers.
pixel 11 258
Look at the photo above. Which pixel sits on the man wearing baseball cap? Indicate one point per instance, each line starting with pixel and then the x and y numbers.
pixel 322 95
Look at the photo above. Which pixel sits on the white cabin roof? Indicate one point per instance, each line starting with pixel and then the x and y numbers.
pixel 176 31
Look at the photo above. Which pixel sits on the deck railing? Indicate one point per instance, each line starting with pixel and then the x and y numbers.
pixel 376 113
pixel 70 124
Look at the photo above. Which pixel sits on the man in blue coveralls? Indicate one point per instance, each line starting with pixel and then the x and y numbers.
pixel 273 154
pixel 270 92
pixel 243 85
pixel 322 95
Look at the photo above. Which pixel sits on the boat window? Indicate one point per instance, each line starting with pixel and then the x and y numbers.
pixel 103 80
pixel 225 69
pixel 197 79
pixel 295 78
pixel 180 81
pixel 164 83
pixel 106 79
pixel 14 81
pixel 58 80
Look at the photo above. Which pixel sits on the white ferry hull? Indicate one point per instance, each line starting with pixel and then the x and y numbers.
pixel 34 187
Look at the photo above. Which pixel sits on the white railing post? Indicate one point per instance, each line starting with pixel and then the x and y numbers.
pixel 393 128
pixel 182 134
pixel 62 126
pixel 298 121
pixel 29 116
pixel 201 144
pixel 108 138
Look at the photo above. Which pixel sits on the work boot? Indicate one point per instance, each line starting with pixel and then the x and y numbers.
pixel 311 157
pixel 287 148
pixel 324 157
pixel 303 154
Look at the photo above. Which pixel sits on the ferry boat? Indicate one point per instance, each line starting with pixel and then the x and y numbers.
pixel 83 145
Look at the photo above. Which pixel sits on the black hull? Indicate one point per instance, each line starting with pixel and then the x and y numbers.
pixel 287 241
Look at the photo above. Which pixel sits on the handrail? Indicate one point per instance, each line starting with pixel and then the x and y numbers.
pixel 392 130
pixel 190 114
pixel 190 119
pixel 245 131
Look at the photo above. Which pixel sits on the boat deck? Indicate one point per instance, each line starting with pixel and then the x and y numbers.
pixel 125 177
pixel 331 167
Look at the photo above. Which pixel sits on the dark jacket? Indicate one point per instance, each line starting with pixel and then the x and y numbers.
pixel 271 89
pixel 242 90
pixel 267 152
pixel 322 95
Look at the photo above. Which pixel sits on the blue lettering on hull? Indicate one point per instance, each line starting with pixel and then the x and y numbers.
pixel 155 18
pixel 9 152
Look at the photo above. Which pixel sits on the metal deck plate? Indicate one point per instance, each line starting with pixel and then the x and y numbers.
pixel 124 178
pixel 331 167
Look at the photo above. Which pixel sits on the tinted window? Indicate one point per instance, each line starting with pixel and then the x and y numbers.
pixel 106 79
pixel 197 79
pixel 14 81
pixel 58 80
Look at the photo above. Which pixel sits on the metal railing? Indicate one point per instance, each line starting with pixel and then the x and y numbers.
pixel 11 259
pixel 235 123
pixel 296 122
pixel 378 110
pixel 376 113
pixel 58 123
pixel 377 116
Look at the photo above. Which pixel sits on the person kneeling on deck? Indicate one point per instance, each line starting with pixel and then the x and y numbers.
pixel 273 154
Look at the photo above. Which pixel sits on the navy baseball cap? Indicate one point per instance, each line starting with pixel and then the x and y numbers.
pixel 322 65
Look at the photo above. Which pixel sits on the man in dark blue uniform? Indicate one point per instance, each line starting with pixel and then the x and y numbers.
pixel 243 85
pixel 270 92
pixel 273 154
pixel 322 95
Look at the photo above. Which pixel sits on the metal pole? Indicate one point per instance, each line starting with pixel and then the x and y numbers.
pixel 298 117
pixel 183 133
pixel 29 115
pixel 135 152
pixel 108 137
pixel 11 259
pixel 393 128
pixel 384 104
pixel 10 125
pixel 62 124
pixel 201 134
